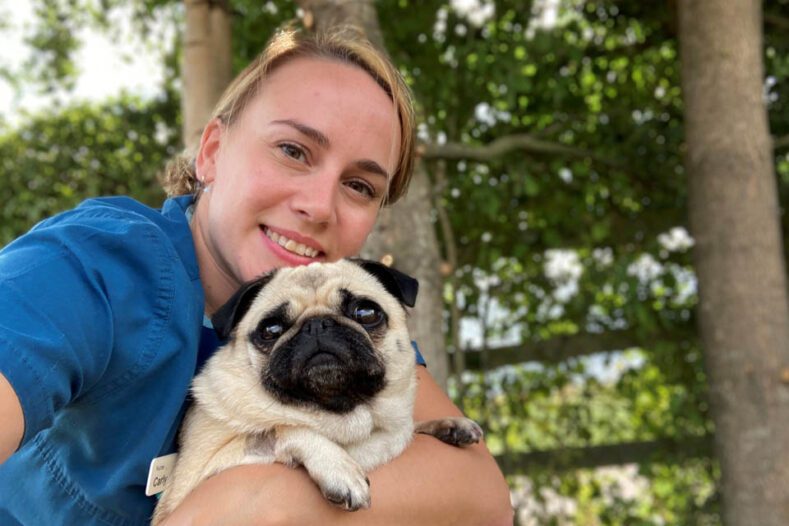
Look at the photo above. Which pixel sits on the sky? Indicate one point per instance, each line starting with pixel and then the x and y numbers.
pixel 107 63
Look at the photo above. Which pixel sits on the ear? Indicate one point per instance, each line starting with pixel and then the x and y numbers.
pixel 206 158
pixel 400 285
pixel 228 315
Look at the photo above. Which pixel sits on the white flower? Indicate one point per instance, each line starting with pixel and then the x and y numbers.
pixel 676 240
pixel 603 256
pixel 564 268
pixel 645 268
pixel 562 265
pixel 477 12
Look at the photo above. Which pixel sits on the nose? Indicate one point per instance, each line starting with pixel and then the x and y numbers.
pixel 315 200
pixel 317 326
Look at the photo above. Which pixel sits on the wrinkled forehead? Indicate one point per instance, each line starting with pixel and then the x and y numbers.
pixel 320 284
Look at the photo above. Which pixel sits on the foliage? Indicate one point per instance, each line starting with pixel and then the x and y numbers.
pixel 56 160
pixel 557 408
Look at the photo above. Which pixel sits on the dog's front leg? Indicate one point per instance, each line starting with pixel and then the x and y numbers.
pixel 381 447
pixel 339 477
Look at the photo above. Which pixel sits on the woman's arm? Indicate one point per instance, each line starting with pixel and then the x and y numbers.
pixel 431 483
pixel 12 418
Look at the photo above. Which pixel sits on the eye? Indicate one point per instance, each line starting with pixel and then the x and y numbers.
pixel 367 313
pixel 293 151
pixel 363 188
pixel 268 330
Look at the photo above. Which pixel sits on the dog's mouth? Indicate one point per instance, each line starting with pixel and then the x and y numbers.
pixel 326 376
pixel 322 359
pixel 336 371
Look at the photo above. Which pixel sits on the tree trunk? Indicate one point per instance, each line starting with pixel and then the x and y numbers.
pixel 323 14
pixel 734 216
pixel 404 231
pixel 207 63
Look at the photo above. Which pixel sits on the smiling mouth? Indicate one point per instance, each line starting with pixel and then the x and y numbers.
pixel 291 246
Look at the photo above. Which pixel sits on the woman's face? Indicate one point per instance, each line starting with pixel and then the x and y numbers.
pixel 298 177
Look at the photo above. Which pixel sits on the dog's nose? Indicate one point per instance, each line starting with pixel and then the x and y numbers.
pixel 316 326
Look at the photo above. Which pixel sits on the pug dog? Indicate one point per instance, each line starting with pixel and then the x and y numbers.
pixel 318 372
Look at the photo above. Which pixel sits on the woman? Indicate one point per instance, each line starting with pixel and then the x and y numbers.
pixel 102 306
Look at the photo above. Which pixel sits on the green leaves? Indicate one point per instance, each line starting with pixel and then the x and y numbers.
pixel 56 160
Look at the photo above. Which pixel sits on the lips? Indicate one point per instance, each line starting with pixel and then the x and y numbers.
pixel 291 245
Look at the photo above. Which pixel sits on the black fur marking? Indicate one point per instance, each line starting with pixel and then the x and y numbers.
pixel 228 315
pixel 258 335
pixel 262 444
pixel 350 301
pixel 326 364
pixel 398 284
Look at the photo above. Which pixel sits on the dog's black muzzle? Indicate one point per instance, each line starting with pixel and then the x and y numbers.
pixel 327 364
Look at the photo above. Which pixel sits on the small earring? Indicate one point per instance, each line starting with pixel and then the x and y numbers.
pixel 207 189
pixel 201 186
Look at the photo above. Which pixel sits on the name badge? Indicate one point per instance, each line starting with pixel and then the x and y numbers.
pixel 159 473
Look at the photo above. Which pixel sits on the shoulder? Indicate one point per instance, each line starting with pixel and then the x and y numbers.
pixel 114 215
pixel 108 229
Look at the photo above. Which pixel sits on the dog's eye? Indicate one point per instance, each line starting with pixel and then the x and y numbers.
pixel 270 329
pixel 367 314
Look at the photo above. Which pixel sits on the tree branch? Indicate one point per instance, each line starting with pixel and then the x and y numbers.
pixel 503 145
pixel 781 22
pixel 663 450
pixel 562 348
pixel 781 142
pixel 454 151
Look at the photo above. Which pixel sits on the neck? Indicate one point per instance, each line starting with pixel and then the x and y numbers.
pixel 217 285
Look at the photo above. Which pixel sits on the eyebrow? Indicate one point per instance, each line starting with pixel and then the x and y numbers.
pixel 309 131
pixel 366 165
pixel 372 167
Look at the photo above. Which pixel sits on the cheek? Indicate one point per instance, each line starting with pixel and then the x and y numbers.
pixel 257 359
pixel 256 191
pixel 357 229
pixel 245 166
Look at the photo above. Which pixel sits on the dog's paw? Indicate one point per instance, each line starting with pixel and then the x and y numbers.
pixel 344 484
pixel 457 431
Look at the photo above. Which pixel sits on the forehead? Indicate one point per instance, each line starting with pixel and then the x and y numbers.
pixel 339 99
pixel 321 284
pixel 311 80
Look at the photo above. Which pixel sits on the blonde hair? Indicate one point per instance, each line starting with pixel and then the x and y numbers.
pixel 346 44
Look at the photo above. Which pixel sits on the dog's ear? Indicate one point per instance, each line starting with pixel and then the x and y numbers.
pixel 228 315
pixel 398 284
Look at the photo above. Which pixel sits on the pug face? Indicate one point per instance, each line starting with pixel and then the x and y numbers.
pixel 325 337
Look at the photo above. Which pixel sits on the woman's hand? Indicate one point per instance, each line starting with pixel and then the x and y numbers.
pixel 12 418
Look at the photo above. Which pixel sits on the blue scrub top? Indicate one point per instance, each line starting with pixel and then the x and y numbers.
pixel 101 314
pixel 101 331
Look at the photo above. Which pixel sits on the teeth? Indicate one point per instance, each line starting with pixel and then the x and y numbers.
pixel 290 245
